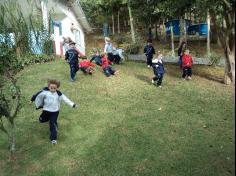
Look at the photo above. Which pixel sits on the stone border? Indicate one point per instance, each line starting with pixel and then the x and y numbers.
pixel 169 59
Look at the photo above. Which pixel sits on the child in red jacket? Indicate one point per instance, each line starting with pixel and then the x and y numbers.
pixel 86 67
pixel 106 66
pixel 187 62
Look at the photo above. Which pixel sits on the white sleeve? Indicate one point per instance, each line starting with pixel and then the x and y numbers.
pixel 105 48
pixel 67 100
pixel 39 99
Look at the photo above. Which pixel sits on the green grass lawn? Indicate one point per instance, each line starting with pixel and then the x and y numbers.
pixel 125 126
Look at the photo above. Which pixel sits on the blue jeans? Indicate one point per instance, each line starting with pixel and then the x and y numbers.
pixel 149 60
pixel 110 57
pixel 73 70
pixel 97 59
pixel 109 71
pixel 117 59
pixel 180 61
pixel 52 118
pixel 158 78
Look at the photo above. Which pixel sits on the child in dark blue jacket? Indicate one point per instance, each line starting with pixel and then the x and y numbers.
pixel 158 69
pixel 149 51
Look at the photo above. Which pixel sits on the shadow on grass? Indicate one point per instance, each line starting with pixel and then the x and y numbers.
pixel 143 78
pixel 203 71
pixel 210 73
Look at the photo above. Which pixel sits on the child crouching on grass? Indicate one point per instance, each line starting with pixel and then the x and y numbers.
pixel 106 66
pixel 158 69
pixel 50 99
pixel 187 63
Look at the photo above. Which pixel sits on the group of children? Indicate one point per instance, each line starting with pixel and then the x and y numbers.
pixel 86 66
pixel 49 98
pixel 155 61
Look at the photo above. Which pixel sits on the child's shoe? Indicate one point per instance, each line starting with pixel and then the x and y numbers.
pixel 54 142
pixel 159 86
pixel 189 78
pixel 153 82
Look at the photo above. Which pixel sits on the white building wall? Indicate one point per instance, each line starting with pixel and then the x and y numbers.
pixel 76 35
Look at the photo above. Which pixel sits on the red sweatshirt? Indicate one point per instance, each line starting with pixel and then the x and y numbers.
pixel 86 64
pixel 105 62
pixel 187 61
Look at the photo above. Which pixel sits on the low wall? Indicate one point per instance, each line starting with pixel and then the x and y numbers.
pixel 170 59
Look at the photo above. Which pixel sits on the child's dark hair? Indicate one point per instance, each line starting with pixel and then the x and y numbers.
pixel 182 44
pixel 103 54
pixel 54 81
pixel 149 40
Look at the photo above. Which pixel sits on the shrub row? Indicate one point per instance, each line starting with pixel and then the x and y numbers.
pixel 9 61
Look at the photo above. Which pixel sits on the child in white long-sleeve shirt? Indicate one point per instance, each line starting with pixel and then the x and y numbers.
pixel 50 99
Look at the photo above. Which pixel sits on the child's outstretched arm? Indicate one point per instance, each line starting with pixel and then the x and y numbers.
pixel 68 101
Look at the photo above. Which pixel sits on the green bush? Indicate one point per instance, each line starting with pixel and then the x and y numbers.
pixel 10 62
pixel 130 48
pixel 214 59
pixel 119 39
pixel 32 59
pixel 93 51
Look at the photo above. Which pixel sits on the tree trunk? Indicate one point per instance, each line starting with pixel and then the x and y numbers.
pixel 150 33
pixel 208 32
pixel 118 20
pixel 131 24
pixel 12 140
pixel 226 36
pixel 182 30
pixel 164 30
pixel 156 33
pixel 172 40
pixel 113 24
pixel 229 76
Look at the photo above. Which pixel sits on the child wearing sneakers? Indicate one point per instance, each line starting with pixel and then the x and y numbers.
pixel 50 99
pixel 187 62
pixel 158 69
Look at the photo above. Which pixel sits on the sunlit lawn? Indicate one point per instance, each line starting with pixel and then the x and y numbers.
pixel 125 126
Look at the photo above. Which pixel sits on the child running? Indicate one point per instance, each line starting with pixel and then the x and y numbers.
pixel 158 69
pixel 50 99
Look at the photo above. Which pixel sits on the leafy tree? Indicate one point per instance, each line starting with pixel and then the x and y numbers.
pixel 10 95
pixel 12 49
pixel 223 19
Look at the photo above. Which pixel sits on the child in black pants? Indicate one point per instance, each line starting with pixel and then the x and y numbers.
pixel 49 99
pixel 149 51
pixel 158 69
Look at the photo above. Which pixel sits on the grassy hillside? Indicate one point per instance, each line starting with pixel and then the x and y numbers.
pixel 125 126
